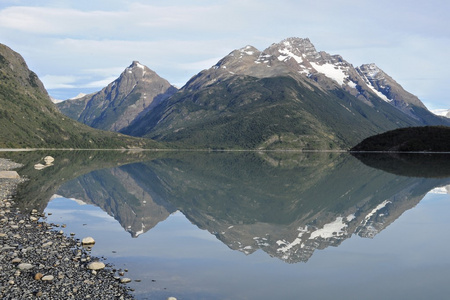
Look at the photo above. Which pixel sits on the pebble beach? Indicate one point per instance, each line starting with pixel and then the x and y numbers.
pixel 39 261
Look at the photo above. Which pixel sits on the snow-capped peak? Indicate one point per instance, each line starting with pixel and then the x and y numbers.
pixel 302 55
pixel 140 66
pixel 296 48
pixel 248 50
pixel 135 66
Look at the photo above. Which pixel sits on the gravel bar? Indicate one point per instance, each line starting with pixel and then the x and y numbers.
pixel 38 261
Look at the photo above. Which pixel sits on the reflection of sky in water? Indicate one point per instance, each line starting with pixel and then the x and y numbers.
pixel 407 260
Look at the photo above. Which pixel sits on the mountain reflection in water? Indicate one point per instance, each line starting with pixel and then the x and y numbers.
pixel 186 210
pixel 287 205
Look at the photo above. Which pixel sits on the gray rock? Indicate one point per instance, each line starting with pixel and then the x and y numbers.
pixel 96 265
pixel 25 266
pixel 48 278
pixel 88 241
pixel 9 174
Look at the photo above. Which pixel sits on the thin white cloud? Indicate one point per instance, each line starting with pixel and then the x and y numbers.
pixel 115 71
pixel 177 39
pixel 98 83
pixel 59 82
pixel 50 21
pixel 200 65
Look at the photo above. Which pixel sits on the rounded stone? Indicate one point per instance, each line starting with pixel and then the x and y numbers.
pixel 125 280
pixel 25 266
pixel 39 166
pixel 49 159
pixel 96 265
pixel 48 278
pixel 16 260
pixel 88 241
pixel 38 276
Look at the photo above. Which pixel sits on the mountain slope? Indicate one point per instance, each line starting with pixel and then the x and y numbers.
pixel 137 90
pixel 288 96
pixel 29 119
pixel 279 112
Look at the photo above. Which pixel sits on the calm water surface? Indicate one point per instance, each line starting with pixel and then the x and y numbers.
pixel 256 225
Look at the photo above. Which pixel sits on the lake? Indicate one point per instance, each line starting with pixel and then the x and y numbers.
pixel 254 225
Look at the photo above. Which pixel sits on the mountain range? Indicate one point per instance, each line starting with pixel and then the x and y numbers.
pixel 28 118
pixel 288 96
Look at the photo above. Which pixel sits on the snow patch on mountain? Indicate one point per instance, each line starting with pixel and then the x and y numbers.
pixel 289 246
pixel 331 71
pixel 371 73
pixel 247 50
pixel 333 229
pixel 141 67
pixel 138 233
pixel 378 93
pixel 135 65
pixel 375 210
pixel 352 84
pixel 286 54
pixel 263 58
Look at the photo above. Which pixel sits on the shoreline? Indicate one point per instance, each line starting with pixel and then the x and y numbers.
pixel 224 150
pixel 36 260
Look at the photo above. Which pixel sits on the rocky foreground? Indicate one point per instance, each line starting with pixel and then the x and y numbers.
pixel 37 260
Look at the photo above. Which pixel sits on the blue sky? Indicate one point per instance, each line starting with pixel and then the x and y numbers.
pixel 81 46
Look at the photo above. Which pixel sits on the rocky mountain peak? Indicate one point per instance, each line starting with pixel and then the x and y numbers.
pixel 138 70
pixel 371 72
pixel 137 90
pixel 294 48
pixel 239 58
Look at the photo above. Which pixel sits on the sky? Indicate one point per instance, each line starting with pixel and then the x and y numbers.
pixel 82 46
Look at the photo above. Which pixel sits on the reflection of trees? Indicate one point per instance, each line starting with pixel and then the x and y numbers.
pixel 409 164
